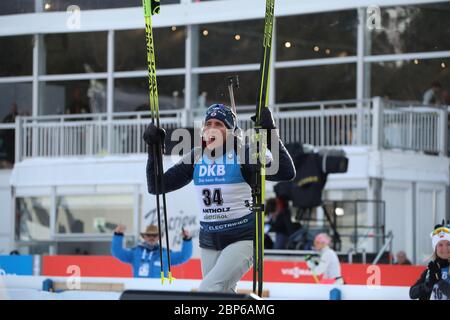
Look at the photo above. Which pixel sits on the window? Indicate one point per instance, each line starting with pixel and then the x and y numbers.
pixel 16 56
pixel 33 218
pixel 410 79
pixel 73 97
pixel 213 89
pixel 7 148
pixel 61 5
pixel 36 248
pixel 16 6
pixel 131 50
pixel 345 194
pixel 132 94
pixel 360 223
pixel 75 52
pixel 329 82
pixel 96 214
pixel 313 36
pixel 84 248
pixel 413 29
pixel 15 100
pixel 15 96
pixel 230 43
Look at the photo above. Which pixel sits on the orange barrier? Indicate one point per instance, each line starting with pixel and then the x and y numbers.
pixel 274 271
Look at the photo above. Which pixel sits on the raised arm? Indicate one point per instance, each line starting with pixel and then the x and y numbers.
pixel 177 176
pixel 117 249
pixel 185 254
pixel 280 166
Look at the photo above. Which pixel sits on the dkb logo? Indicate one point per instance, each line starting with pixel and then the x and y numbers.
pixel 215 170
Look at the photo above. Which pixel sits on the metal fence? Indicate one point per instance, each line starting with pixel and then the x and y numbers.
pixel 86 135
pixel 375 122
pixel 327 123
pixel 413 127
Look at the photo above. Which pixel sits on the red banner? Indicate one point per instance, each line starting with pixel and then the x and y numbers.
pixel 90 266
pixel 274 271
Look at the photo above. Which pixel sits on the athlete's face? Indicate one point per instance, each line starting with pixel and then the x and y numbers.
pixel 443 249
pixel 214 133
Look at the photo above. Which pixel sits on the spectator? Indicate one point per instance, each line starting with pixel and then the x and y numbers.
pixel 434 282
pixel 433 95
pixel 14 253
pixel 77 105
pixel 145 258
pixel 9 136
pixel 270 209
pixel 402 259
pixel 202 100
pixel 328 265
pixel 280 221
pixel 11 116
pixel 445 98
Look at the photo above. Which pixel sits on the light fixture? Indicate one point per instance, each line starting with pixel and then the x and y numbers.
pixel 416 61
pixel 205 32
pixel 316 49
pixel 339 212
pixel 287 44
pixel 443 65
pixel 174 28
pixel 237 37
pixel 327 51
pixel 47 6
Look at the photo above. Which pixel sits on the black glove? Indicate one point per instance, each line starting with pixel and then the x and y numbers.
pixel 434 272
pixel 313 259
pixel 444 286
pixel 267 121
pixel 154 135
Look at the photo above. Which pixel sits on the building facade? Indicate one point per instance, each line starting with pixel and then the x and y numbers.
pixel 71 177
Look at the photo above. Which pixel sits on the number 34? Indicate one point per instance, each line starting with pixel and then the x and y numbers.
pixel 216 197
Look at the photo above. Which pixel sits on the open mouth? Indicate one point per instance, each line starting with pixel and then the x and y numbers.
pixel 211 139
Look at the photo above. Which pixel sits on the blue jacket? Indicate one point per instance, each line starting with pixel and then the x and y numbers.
pixel 146 262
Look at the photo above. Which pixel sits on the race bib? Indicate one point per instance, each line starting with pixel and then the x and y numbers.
pixel 437 294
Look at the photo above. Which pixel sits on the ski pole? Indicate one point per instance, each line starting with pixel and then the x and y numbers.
pixel 233 82
pixel 152 7
pixel 314 275
pixel 258 189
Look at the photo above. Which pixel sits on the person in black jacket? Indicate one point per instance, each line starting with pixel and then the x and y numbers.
pixel 223 176
pixel 281 223
pixel 434 282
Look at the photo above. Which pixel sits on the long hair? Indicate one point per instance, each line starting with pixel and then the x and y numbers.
pixel 434 256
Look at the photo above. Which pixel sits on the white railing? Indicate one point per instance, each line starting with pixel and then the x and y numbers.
pixel 323 127
pixel 414 127
pixel 323 123
pixel 383 125
pixel 86 135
